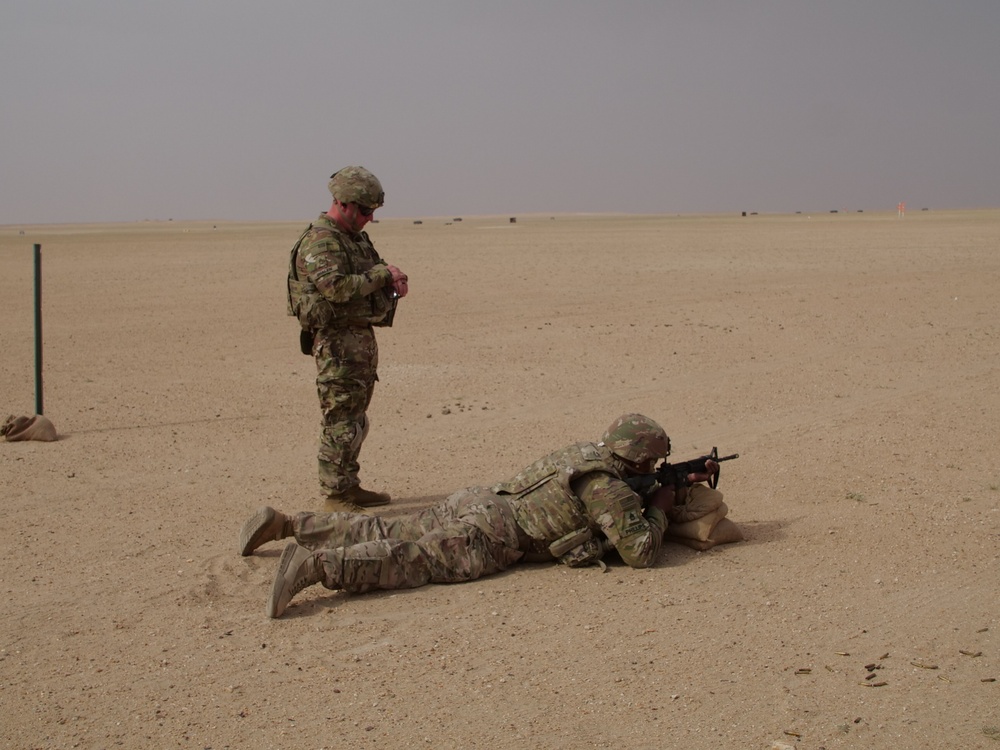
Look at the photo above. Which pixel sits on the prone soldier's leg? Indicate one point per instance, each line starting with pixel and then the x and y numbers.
pixel 332 530
pixel 466 537
pixel 448 555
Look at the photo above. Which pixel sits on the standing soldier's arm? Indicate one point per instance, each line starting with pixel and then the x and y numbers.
pixel 619 513
pixel 327 266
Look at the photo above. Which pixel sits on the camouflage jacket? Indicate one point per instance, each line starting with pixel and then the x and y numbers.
pixel 337 280
pixel 574 501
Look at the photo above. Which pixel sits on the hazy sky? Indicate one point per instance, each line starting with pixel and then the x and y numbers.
pixel 241 109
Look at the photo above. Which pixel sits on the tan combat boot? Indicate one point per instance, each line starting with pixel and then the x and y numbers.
pixel 266 525
pixel 299 567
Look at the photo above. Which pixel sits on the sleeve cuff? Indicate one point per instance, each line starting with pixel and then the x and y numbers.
pixel 657 518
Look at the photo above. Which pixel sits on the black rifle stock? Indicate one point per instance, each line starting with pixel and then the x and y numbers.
pixel 676 475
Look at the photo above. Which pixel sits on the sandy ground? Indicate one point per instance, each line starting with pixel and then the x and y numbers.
pixel 851 359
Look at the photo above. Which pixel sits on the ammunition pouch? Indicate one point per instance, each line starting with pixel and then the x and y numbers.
pixel 384 299
pixel 306 340
pixel 578 548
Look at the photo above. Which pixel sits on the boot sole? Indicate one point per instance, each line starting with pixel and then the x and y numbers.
pixel 340 506
pixel 279 581
pixel 377 504
pixel 350 502
pixel 254 528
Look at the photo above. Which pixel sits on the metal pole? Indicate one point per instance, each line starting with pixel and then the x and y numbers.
pixel 38 329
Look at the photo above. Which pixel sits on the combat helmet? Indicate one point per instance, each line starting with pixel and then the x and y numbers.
pixel 636 439
pixel 357 185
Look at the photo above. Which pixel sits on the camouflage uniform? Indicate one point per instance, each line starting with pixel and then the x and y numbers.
pixel 574 504
pixel 339 288
pixel 569 506
pixel 468 536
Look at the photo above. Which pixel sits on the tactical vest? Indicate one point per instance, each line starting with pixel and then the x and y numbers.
pixel 546 508
pixel 315 311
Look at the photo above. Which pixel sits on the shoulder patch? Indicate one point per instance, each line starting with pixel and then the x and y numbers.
pixel 629 519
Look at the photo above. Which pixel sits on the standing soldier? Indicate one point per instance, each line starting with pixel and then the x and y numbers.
pixel 339 289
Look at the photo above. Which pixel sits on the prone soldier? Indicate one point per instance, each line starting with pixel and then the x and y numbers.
pixel 571 506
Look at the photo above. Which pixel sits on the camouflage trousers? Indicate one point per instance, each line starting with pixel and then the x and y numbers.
pixel 346 365
pixel 471 534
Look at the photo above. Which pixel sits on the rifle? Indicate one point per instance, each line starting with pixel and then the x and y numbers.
pixel 675 475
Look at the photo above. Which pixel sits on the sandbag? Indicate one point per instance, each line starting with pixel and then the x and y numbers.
pixel 38 427
pixel 698 502
pixel 724 532
pixel 700 522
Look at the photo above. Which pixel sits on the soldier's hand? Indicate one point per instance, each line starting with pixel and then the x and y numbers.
pixel 711 467
pixel 400 282
pixel 663 499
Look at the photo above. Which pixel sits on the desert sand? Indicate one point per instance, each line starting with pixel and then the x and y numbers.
pixel 851 359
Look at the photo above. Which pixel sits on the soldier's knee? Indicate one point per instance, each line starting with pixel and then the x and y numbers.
pixel 360 433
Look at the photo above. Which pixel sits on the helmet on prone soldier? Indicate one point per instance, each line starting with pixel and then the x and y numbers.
pixel 356 185
pixel 636 439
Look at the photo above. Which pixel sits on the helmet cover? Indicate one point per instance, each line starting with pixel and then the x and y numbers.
pixel 357 185
pixel 636 439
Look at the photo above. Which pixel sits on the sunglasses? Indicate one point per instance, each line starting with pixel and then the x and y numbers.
pixel 365 210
